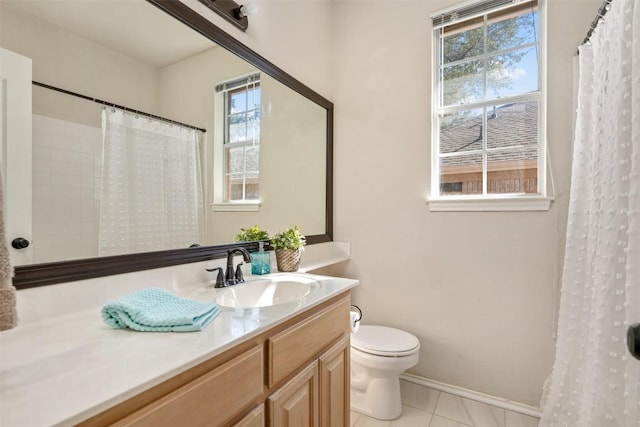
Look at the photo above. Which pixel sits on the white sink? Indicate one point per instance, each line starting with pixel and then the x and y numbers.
pixel 273 290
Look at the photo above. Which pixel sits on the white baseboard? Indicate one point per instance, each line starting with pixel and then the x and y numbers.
pixel 474 395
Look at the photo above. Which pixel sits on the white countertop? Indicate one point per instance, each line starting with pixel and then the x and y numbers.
pixel 62 370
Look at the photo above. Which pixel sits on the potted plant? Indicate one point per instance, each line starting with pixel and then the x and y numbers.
pixel 251 234
pixel 260 261
pixel 288 246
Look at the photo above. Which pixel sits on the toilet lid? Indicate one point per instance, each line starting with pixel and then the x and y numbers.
pixel 384 341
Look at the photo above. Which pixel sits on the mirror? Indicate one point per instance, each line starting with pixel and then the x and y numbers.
pixel 141 56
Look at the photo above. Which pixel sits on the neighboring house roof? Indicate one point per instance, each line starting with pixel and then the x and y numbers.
pixel 251 157
pixel 509 125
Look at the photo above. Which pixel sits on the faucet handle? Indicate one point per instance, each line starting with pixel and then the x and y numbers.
pixel 220 283
pixel 239 275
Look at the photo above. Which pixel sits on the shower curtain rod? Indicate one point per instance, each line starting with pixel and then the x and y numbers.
pixel 606 5
pixel 111 104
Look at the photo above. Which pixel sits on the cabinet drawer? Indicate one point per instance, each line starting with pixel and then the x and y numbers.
pixel 210 400
pixel 293 347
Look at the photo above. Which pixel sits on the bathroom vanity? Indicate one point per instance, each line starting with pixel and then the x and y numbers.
pixel 285 365
pixel 295 374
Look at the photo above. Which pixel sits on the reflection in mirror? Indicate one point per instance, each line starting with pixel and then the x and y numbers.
pixel 168 186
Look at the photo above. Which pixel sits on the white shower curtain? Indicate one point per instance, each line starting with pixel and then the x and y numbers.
pixel 151 196
pixel 595 382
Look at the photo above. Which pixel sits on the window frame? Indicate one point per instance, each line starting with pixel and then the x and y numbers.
pixel 227 145
pixel 488 201
pixel 222 112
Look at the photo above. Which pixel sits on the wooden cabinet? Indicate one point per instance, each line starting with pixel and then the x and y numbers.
pixel 318 395
pixel 294 374
pixel 296 403
pixel 334 373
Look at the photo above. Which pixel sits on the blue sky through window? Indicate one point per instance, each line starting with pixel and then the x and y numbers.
pixel 524 75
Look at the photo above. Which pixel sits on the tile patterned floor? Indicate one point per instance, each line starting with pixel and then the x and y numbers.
pixel 425 407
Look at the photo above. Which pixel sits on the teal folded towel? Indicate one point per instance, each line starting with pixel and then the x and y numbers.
pixel 156 310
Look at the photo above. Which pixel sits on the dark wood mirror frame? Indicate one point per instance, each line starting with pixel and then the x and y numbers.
pixel 29 276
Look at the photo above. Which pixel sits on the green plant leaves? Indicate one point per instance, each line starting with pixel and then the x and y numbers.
pixel 251 234
pixel 291 238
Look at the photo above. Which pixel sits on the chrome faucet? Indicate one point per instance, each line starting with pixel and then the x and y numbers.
pixel 231 277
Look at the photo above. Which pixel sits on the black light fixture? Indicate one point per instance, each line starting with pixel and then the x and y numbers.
pixel 229 10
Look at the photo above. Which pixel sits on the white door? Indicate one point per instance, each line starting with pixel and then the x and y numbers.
pixel 15 153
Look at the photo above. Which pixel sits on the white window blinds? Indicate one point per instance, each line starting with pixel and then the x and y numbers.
pixel 239 82
pixel 470 10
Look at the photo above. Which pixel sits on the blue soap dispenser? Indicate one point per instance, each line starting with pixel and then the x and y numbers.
pixel 260 261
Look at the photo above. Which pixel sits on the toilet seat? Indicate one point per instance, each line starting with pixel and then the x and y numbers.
pixel 384 341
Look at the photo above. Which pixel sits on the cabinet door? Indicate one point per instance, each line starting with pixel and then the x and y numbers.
pixel 254 418
pixel 295 404
pixel 334 385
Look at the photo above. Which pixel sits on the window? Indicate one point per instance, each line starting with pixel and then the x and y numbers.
pixel 241 139
pixel 488 137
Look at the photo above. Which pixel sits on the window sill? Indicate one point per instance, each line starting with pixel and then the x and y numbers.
pixel 236 207
pixel 495 204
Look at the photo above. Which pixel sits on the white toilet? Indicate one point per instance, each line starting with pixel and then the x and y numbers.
pixel 378 356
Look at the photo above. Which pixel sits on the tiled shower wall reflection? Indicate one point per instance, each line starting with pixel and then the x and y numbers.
pixel 67 174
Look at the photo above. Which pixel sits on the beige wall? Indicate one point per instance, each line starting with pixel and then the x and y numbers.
pixel 292 34
pixel 478 289
pixel 292 160
pixel 63 59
